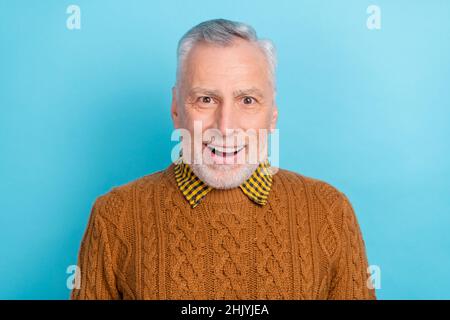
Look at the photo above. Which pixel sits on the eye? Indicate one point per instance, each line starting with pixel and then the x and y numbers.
pixel 248 100
pixel 206 99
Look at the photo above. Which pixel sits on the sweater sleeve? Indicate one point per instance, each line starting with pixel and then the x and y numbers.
pixel 351 278
pixel 97 276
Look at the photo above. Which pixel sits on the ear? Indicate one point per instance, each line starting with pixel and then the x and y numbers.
pixel 174 109
pixel 273 121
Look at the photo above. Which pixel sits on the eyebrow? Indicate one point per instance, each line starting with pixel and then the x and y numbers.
pixel 205 91
pixel 248 92
pixel 237 93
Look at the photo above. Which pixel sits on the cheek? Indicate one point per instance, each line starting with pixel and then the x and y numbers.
pixel 189 116
pixel 256 121
pixel 206 118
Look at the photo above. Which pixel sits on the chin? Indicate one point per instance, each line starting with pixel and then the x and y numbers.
pixel 224 168
pixel 224 176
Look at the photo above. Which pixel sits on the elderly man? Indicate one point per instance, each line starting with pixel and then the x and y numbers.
pixel 219 222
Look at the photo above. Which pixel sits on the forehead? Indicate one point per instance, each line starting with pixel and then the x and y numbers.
pixel 242 62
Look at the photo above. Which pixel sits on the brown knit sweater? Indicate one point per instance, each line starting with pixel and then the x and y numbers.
pixel 144 241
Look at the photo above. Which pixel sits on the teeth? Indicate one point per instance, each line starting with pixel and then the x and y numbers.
pixel 226 149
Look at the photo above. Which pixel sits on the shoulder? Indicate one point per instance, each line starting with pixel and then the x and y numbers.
pixel 146 182
pixel 313 189
pixel 116 204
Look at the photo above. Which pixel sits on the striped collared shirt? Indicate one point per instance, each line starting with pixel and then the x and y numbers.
pixel 257 187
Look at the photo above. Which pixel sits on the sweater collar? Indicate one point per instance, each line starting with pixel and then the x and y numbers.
pixel 256 188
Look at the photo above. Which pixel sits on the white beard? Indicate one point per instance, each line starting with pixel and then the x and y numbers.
pixel 226 176
pixel 223 176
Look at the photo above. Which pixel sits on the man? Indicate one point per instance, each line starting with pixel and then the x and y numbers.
pixel 216 223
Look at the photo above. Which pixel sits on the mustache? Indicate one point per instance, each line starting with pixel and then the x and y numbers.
pixel 229 140
pixel 237 137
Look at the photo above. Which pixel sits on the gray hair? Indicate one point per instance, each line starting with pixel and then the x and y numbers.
pixel 222 32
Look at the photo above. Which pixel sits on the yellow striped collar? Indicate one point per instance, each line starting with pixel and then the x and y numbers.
pixel 257 187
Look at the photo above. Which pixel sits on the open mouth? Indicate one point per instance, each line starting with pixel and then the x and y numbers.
pixel 224 152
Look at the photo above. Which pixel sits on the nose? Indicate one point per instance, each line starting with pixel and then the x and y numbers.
pixel 227 118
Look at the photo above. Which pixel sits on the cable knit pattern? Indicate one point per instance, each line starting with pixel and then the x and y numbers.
pixel 144 241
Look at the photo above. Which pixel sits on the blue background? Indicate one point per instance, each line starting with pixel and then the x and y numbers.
pixel 84 110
